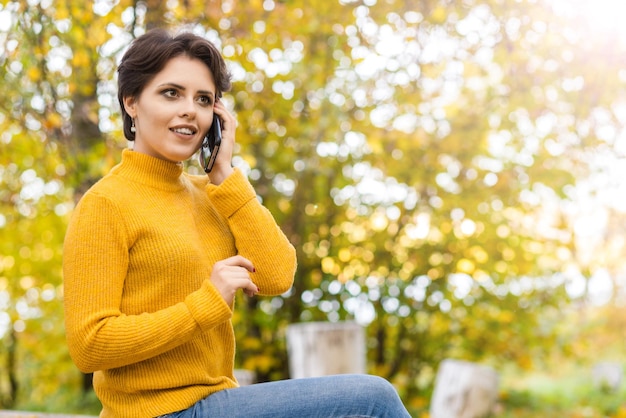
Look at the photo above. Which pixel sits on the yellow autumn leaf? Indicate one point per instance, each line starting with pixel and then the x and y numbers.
pixel 80 58
pixel 34 73
pixel 61 11
pixel 465 266
pixel 53 120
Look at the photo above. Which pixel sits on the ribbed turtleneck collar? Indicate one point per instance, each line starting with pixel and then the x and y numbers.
pixel 148 170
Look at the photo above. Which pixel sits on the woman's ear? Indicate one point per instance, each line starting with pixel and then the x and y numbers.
pixel 129 106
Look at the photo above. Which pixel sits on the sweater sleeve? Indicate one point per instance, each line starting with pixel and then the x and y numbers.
pixel 95 263
pixel 257 236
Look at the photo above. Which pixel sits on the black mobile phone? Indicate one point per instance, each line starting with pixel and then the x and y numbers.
pixel 211 145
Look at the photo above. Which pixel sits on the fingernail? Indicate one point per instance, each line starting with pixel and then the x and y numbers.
pixel 253 270
pixel 258 289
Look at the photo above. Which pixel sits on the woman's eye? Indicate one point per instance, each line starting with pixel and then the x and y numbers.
pixel 169 93
pixel 205 100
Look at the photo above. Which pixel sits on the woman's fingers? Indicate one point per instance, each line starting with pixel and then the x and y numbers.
pixel 223 167
pixel 228 124
pixel 228 119
pixel 232 274
pixel 238 261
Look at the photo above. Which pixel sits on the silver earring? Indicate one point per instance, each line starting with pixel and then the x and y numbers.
pixel 132 126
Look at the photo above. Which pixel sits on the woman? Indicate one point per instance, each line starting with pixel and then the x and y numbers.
pixel 153 258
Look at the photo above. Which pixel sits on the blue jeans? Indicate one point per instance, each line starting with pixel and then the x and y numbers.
pixel 362 396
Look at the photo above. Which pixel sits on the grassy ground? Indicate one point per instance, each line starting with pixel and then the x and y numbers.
pixel 567 393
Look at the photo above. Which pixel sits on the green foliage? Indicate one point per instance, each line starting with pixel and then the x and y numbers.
pixel 572 397
pixel 421 155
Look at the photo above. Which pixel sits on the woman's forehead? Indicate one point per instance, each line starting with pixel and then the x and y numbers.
pixel 187 72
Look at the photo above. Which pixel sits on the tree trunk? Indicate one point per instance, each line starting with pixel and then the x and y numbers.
pixel 8 400
pixel 464 390
pixel 323 348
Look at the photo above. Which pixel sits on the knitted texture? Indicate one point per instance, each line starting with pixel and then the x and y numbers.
pixel 140 310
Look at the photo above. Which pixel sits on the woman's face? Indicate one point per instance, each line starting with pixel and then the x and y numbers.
pixel 174 111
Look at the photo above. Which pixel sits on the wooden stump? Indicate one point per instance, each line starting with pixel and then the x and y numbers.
pixel 464 390
pixel 608 375
pixel 245 377
pixel 324 348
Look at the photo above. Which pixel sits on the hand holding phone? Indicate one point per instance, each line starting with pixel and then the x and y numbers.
pixel 211 145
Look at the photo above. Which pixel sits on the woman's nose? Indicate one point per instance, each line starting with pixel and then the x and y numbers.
pixel 188 108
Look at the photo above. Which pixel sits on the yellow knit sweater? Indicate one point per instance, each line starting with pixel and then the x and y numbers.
pixel 140 310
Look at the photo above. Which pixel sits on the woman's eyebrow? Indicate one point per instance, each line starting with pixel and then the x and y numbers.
pixel 179 87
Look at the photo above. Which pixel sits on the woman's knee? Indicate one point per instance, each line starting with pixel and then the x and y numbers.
pixel 381 385
pixel 381 395
pixel 370 386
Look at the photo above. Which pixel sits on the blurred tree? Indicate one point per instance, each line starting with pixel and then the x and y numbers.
pixel 421 155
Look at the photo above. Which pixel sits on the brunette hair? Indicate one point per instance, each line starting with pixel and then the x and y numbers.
pixel 149 53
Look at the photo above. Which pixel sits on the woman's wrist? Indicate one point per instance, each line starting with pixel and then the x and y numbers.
pixel 220 173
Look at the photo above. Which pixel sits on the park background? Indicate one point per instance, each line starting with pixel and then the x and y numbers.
pixel 451 173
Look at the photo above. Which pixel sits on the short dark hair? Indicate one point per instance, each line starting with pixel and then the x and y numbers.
pixel 149 53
